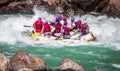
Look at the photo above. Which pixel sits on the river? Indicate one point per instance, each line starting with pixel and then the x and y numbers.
pixel 103 54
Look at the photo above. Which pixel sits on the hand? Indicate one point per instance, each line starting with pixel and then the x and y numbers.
pixel 39 34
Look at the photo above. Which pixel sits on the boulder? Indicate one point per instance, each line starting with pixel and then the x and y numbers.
pixel 69 65
pixel 22 59
pixel 37 63
pixel 18 7
pixel 112 8
pixel 13 4
pixel 3 1
pixel 50 2
pixel 4 63
pixel 87 5
pixel 69 7
pixel 25 69
pixel 59 9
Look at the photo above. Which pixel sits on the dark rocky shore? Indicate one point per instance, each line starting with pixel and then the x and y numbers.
pixel 22 61
pixel 66 7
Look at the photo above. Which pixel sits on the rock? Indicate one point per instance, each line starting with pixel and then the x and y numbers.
pixel 70 12
pixel 87 5
pixel 59 9
pixel 102 5
pixel 113 8
pixel 3 1
pixel 25 69
pixel 69 65
pixel 4 63
pixel 58 1
pixel 13 4
pixel 37 63
pixel 96 70
pixel 45 0
pixel 50 2
pixel 18 7
pixel 21 59
pixel 109 7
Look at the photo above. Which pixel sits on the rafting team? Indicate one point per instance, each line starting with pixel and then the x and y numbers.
pixel 59 28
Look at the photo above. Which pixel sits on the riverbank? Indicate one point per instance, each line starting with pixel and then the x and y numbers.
pixel 66 7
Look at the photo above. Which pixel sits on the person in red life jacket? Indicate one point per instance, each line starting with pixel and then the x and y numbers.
pixel 79 24
pixel 56 31
pixel 66 32
pixel 74 25
pixel 72 21
pixel 46 29
pixel 38 25
pixel 84 29
pixel 63 22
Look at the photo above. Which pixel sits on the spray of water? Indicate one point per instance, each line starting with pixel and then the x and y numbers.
pixel 106 29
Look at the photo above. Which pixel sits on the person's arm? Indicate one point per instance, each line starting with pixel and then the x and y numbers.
pixel 87 29
pixel 73 25
pixel 52 30
pixel 62 23
pixel 34 24
pixel 59 37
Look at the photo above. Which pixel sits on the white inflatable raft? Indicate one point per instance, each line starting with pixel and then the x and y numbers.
pixel 85 38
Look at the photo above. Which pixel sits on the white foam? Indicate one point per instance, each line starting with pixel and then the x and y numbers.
pixel 116 65
pixel 107 30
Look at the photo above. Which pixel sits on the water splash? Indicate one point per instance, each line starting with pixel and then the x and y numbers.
pixel 106 29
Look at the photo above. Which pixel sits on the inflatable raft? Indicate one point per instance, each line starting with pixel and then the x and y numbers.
pixel 86 38
pixel 74 38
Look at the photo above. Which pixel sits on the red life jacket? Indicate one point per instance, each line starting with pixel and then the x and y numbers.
pixel 57 29
pixel 38 26
pixel 65 20
pixel 76 25
pixel 67 31
pixel 82 26
pixel 47 28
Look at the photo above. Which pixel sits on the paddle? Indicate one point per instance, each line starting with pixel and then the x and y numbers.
pixel 59 37
pixel 27 26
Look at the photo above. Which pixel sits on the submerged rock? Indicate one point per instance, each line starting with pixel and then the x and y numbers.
pixel 4 63
pixel 69 65
pixel 22 59
pixel 96 70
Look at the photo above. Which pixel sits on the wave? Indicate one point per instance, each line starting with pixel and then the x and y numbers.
pixel 106 29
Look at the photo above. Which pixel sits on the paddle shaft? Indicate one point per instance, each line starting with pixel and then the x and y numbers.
pixel 27 26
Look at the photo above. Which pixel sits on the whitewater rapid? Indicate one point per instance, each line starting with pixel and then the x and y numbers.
pixel 107 30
